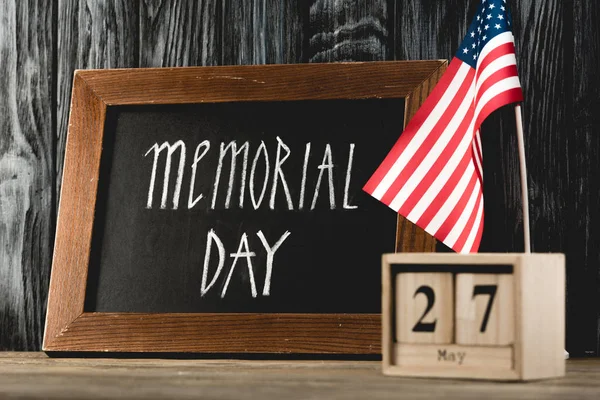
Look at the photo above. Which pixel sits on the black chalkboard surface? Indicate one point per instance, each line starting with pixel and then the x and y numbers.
pixel 274 221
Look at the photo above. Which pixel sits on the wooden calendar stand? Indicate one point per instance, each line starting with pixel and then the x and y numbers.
pixel 477 316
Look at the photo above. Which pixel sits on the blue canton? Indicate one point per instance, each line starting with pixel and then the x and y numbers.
pixel 492 19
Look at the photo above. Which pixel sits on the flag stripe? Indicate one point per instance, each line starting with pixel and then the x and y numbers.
pixel 426 160
pixel 498 75
pixel 457 219
pixel 421 133
pixel 453 201
pixel 513 95
pixel 433 181
pixel 499 40
pixel 469 226
pixel 423 157
pixel 409 131
pixel 477 160
pixel 477 240
pixel 500 55
pixel 424 212
pixel 441 179
pixel 475 230
pixel 478 145
pixel 495 90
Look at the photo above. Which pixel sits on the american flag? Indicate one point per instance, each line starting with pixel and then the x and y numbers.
pixel 433 175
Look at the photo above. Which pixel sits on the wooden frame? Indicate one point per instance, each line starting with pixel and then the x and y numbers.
pixel 537 320
pixel 69 328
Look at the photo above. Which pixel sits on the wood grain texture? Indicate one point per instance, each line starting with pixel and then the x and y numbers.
pixel 221 333
pixel 179 34
pixel 540 302
pixel 285 31
pixel 348 31
pixel 33 375
pixel 264 83
pixel 426 29
pixel 73 241
pixel 26 170
pixel 262 31
pixel 91 34
pixel 210 32
pixel 583 252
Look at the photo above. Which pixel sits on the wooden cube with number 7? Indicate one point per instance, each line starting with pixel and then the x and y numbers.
pixel 485 309
pixel 424 307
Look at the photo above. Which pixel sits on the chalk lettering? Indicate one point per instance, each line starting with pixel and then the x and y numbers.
pixel 278 174
pixel 234 154
pixel 170 150
pixel 205 145
pixel 262 175
pixel 212 237
pixel 270 256
pixel 243 251
pixel 347 206
pixel 262 149
pixel 303 182
pixel 326 164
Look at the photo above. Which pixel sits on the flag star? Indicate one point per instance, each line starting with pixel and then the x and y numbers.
pixel 503 8
pixel 487 27
pixel 484 38
pixel 500 16
pixel 489 16
pixel 465 50
pixel 474 57
pixel 473 45
pixel 497 26
pixel 472 34
pixel 492 6
pixel 478 18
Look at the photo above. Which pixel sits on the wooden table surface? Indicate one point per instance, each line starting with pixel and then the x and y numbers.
pixel 34 375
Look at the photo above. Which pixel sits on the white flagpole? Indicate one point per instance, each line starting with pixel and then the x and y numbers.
pixel 523 168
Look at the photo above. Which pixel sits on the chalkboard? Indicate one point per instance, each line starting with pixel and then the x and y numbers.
pixel 220 209
pixel 314 236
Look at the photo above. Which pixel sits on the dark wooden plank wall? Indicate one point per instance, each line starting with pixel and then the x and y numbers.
pixel 27 174
pixel 42 42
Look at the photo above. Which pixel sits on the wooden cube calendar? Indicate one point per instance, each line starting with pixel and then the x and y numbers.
pixel 476 316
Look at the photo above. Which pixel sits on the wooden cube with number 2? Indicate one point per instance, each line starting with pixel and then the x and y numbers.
pixel 424 308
